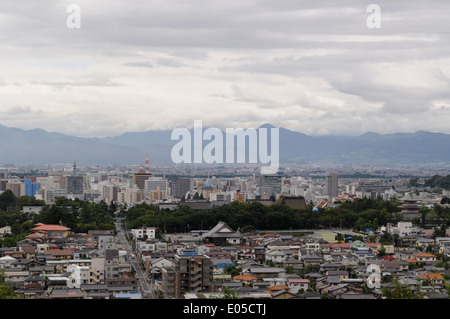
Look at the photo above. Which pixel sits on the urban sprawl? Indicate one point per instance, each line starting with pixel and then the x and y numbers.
pixel 73 231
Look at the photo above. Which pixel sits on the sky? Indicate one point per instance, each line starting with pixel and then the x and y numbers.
pixel 316 67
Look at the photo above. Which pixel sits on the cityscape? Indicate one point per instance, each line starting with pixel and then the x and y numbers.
pixel 399 235
pixel 207 158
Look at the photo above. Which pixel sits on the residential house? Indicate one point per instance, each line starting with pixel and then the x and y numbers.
pixel 6 230
pixel 267 272
pixel 422 258
pixel 95 291
pixel 337 290
pixel 51 231
pixel 246 280
pixel 156 266
pixel 60 253
pixel 311 260
pixel 280 292
pixel 340 274
pixel 297 283
pixel 246 253
pixel 69 293
pixel 16 277
pixel 276 256
pixel 434 279
pixel 424 242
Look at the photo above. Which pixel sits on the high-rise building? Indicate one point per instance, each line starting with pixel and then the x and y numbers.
pixel 153 183
pixel 180 187
pixel 270 183
pixel 30 187
pixel 16 187
pixel 74 184
pixel 110 193
pixel 3 183
pixel 332 184
pixel 139 178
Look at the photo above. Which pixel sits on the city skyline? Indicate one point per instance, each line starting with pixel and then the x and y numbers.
pixel 315 68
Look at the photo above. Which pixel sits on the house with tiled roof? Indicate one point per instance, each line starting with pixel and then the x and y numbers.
pixel 37 237
pixel 247 280
pixel 60 253
pixel 336 290
pixel 51 231
pixel 433 278
pixel 18 254
pixel 280 292
pixel 422 258
pixel 339 247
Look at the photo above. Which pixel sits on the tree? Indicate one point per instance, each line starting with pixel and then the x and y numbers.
pixel 381 251
pixel 228 293
pixel 6 292
pixel 375 224
pixel 232 271
pixel 7 199
pixel 386 238
pixel 400 291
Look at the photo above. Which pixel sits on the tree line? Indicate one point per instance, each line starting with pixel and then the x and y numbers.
pixel 78 215
pixel 251 216
pixel 81 216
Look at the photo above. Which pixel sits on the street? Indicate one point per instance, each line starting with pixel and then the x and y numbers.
pixel 143 285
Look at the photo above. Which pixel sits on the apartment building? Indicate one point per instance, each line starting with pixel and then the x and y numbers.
pixel 191 273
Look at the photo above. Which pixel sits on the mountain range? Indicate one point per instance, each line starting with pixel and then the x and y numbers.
pixel 36 146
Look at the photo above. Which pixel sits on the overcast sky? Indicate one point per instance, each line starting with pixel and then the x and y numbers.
pixel 310 66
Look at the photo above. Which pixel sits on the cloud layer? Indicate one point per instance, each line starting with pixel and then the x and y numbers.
pixel 310 66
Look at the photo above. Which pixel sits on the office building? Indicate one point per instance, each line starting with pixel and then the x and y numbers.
pixel 332 184
pixel 270 183
pixel 139 178
pixel 74 184
pixel 180 187
pixel 30 187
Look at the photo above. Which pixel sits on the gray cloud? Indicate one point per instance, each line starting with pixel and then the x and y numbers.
pixel 313 66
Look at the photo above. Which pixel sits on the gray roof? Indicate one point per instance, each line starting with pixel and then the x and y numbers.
pixel 333 279
pixel 356 296
pixel 94 287
pixel 215 231
pixel 266 269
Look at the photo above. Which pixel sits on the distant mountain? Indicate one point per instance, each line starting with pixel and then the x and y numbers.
pixel 40 147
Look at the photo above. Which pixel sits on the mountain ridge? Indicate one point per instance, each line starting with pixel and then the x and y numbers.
pixel 37 146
